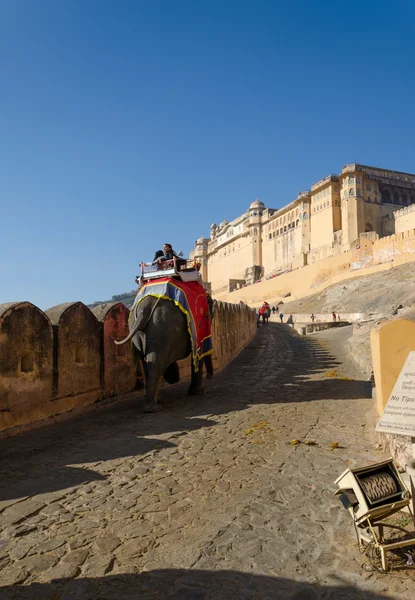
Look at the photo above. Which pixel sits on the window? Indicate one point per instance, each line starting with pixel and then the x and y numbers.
pixel 351 192
pixel 270 236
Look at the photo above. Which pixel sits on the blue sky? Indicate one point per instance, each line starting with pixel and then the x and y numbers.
pixel 127 124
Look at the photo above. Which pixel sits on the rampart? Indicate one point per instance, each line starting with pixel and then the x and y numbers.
pixel 369 256
pixel 64 359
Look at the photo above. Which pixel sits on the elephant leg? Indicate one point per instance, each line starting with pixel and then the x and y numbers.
pixel 152 387
pixel 172 373
pixel 209 366
pixel 195 387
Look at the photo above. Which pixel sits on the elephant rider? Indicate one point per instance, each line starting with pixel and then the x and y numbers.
pixel 265 308
pixel 167 254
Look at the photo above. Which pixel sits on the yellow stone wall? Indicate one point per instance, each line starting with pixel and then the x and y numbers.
pixel 391 343
pixel 230 262
pixel 325 214
pixel 405 219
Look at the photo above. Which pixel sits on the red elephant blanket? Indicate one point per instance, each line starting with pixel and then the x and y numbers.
pixel 191 298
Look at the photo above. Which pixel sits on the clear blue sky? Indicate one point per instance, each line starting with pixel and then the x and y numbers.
pixel 127 124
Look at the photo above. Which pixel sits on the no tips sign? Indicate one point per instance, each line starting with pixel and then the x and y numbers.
pixel 399 414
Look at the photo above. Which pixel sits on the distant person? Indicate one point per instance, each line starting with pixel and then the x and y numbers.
pixel 281 317
pixel 290 319
pixel 338 317
pixel 273 310
pixel 313 318
pixel 333 314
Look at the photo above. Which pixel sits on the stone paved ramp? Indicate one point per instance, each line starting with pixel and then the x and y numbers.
pixel 206 500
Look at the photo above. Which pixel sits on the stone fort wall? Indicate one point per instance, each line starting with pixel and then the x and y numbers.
pixel 327 220
pixel 64 359
pixel 371 255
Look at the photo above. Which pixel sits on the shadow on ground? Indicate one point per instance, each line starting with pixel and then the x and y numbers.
pixel 181 584
pixel 63 455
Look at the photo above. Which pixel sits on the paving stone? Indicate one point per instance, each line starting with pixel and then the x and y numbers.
pixel 38 563
pixel 61 571
pixel 49 545
pixel 132 548
pixel 106 544
pixel 97 566
pixel 19 551
pixel 13 575
pixel 76 557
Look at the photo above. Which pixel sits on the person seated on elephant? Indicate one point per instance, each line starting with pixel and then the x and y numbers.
pixel 166 254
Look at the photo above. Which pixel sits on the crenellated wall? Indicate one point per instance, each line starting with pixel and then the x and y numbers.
pixel 369 256
pixel 64 359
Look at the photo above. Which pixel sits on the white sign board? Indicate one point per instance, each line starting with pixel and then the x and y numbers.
pixel 399 414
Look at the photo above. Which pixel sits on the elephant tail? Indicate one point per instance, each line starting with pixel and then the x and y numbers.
pixel 140 321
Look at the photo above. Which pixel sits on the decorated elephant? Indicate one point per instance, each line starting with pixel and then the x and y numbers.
pixel 159 329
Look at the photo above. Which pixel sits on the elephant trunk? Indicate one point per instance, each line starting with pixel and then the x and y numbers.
pixel 146 310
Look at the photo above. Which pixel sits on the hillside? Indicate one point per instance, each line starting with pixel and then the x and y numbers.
pixel 379 293
pixel 388 295
pixel 128 299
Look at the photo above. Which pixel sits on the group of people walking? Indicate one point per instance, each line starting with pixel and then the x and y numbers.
pixel 265 312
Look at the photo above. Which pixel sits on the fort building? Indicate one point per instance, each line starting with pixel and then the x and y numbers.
pixel 326 220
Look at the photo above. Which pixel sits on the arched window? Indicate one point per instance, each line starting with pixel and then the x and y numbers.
pixel 270 236
pixel 305 215
pixel 292 225
pixel 297 222
pixel 289 225
pixel 351 192
pixel 285 228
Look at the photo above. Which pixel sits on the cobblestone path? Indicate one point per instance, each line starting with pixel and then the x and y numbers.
pixel 206 500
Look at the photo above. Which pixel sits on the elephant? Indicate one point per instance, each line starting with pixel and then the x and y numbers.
pixel 265 313
pixel 158 330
